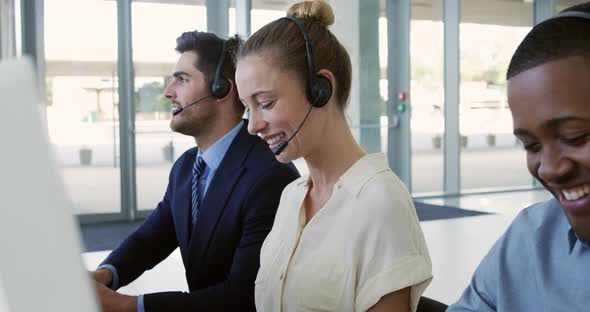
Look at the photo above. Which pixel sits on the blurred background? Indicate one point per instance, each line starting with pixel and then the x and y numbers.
pixel 429 88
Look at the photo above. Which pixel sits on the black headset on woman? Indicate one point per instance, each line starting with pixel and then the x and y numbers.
pixel 318 90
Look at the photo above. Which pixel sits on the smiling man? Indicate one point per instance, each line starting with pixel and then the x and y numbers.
pixel 542 262
pixel 221 199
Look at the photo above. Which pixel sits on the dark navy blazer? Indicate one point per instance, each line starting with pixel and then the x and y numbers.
pixel 221 255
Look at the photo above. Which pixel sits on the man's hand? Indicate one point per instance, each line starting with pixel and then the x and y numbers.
pixel 112 301
pixel 103 276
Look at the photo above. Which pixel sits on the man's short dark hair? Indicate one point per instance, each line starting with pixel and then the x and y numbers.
pixel 552 40
pixel 208 47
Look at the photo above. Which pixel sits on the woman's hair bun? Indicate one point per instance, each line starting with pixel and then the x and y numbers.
pixel 318 11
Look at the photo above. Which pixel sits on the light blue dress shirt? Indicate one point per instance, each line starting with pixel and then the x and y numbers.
pixel 539 264
pixel 212 157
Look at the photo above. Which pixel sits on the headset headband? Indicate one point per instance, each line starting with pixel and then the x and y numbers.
pixel 310 67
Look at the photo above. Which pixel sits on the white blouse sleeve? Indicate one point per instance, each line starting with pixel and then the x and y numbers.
pixel 392 250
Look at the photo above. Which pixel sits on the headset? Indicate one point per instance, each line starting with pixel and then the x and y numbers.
pixel 220 86
pixel 319 88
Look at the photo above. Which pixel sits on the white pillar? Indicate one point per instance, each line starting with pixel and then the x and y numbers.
pixel 451 146
pixel 218 17
pixel 243 20
pixel 7 30
pixel 399 146
pixel 357 28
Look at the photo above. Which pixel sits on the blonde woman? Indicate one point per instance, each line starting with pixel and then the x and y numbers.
pixel 346 237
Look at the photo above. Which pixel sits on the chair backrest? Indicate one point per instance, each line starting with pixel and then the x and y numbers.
pixel 430 305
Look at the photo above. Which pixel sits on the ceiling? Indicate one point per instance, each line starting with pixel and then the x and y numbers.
pixel 497 12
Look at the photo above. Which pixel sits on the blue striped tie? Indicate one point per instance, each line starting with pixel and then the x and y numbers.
pixel 198 169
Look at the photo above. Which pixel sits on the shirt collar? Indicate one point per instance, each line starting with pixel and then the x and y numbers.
pixel 362 171
pixel 358 175
pixel 573 238
pixel 215 153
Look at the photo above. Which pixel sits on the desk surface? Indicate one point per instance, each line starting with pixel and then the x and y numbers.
pixel 456 247
pixel 166 276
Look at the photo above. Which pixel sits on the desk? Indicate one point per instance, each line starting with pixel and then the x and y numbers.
pixel 456 247
pixel 166 276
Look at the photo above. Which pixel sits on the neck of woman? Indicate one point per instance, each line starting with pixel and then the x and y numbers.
pixel 329 161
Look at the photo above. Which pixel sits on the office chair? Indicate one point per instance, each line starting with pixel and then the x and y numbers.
pixel 429 305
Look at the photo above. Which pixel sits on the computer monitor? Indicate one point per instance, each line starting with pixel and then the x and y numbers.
pixel 3 304
pixel 41 267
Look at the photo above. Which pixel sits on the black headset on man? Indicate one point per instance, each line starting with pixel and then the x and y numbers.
pixel 220 86
pixel 319 88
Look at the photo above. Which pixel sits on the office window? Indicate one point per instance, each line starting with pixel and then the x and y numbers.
pixel 156 25
pixel 266 12
pixel 564 4
pixel 490 155
pixel 427 96
pixel 82 100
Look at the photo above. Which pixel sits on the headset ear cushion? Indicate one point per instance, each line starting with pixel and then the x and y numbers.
pixel 220 88
pixel 321 91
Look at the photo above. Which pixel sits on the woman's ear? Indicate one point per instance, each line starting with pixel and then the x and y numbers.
pixel 328 76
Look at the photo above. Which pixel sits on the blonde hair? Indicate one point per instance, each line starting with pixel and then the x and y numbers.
pixel 282 43
pixel 313 11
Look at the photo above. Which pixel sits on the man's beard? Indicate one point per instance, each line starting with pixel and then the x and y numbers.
pixel 194 126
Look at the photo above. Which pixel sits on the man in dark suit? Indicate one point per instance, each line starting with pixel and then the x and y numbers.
pixel 221 199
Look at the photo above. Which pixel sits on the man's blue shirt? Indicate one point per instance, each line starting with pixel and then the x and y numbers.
pixel 539 264
pixel 214 155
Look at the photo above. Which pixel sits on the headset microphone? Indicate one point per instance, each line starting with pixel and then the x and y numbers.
pixel 279 149
pixel 220 87
pixel 181 109
pixel 319 87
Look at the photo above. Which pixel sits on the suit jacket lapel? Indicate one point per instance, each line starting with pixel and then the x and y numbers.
pixel 220 190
